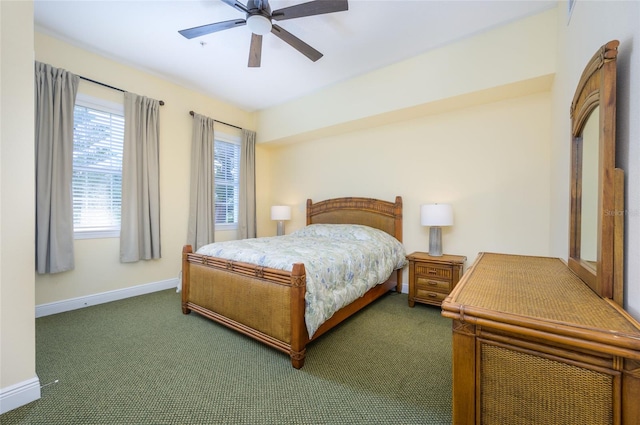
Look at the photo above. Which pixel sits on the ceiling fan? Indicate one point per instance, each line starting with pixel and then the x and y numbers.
pixel 259 20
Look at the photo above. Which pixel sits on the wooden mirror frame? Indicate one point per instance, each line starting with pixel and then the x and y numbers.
pixel 597 87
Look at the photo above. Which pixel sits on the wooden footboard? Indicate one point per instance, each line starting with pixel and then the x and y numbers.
pixel 263 303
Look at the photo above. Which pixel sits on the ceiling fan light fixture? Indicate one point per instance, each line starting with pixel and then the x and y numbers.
pixel 259 24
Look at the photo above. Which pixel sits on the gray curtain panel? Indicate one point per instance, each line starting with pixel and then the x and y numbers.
pixel 140 225
pixel 247 195
pixel 201 227
pixel 55 97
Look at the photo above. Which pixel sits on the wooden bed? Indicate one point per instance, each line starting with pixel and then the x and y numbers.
pixel 269 304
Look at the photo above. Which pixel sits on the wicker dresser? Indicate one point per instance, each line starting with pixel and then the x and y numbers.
pixel 533 344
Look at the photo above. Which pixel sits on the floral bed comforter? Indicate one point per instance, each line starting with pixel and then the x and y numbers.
pixel 342 262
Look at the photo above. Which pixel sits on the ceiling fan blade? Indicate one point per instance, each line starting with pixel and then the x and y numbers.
pixel 317 7
pixel 255 52
pixel 296 43
pixel 208 29
pixel 236 5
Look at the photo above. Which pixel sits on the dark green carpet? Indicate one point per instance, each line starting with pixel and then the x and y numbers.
pixel 141 361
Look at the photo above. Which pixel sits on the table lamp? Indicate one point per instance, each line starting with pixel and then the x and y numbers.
pixel 436 216
pixel 280 213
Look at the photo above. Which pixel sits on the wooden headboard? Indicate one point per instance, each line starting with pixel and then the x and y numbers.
pixel 383 215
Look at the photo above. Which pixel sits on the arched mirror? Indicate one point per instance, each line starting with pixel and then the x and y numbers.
pixel 596 220
pixel 589 203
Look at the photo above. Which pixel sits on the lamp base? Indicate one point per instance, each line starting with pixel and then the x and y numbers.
pixel 435 241
pixel 280 228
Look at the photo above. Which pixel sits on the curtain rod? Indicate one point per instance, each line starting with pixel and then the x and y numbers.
pixel 108 86
pixel 221 122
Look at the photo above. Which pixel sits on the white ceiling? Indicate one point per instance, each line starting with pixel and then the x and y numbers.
pixel 370 35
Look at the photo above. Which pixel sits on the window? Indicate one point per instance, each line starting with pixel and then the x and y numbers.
pixel 227 180
pixel 98 137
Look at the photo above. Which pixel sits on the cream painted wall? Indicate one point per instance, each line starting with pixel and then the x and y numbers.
pixel 592 24
pixel 491 162
pixel 17 308
pixel 514 53
pixel 466 104
pixel 98 268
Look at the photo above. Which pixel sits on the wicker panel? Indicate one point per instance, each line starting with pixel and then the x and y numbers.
pixel 367 218
pixel 538 287
pixel 523 389
pixel 263 306
pixel 433 271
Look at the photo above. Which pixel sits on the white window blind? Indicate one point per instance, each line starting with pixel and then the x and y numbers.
pixel 98 137
pixel 227 181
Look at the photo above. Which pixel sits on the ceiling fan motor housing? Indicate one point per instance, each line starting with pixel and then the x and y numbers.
pixel 259 17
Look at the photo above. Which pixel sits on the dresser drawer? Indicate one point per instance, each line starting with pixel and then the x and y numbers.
pixel 427 284
pixel 430 296
pixel 433 271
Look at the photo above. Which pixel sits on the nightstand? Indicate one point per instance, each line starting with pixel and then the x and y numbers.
pixel 431 279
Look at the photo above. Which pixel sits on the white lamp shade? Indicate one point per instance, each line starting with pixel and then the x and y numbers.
pixel 280 212
pixel 436 215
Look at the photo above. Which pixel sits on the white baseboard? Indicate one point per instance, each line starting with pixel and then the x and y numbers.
pixel 118 294
pixel 19 394
pixel 104 297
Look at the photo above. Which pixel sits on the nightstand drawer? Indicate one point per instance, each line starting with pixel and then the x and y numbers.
pixel 426 284
pixel 433 271
pixel 424 295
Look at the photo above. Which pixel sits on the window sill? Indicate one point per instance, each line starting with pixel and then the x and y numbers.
pixel 96 235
